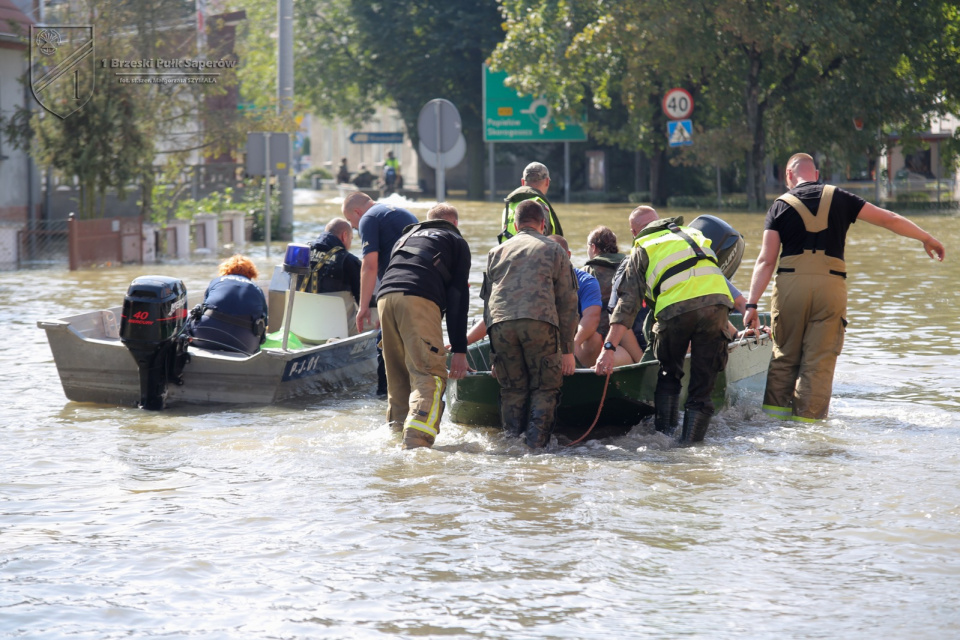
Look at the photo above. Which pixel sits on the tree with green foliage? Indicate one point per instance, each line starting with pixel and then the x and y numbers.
pixel 797 71
pixel 353 55
pixel 113 140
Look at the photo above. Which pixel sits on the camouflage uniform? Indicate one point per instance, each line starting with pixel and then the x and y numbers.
pixel 530 309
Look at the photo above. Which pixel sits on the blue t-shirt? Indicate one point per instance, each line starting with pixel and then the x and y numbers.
pixel 380 228
pixel 588 295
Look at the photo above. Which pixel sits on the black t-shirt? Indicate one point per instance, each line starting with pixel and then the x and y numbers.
pixel 782 218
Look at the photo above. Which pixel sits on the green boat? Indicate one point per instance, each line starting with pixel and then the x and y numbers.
pixel 629 395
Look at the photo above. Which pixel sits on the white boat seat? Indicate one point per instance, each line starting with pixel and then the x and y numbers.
pixel 318 317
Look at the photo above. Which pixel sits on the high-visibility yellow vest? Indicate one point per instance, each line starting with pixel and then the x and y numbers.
pixel 675 272
pixel 510 212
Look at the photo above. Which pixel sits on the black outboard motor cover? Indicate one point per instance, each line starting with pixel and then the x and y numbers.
pixel 726 242
pixel 154 312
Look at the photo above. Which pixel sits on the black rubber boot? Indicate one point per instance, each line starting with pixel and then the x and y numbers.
pixel 513 413
pixel 667 417
pixel 695 425
pixel 381 375
pixel 543 418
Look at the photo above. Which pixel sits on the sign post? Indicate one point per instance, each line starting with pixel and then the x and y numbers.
pixel 509 116
pixel 376 137
pixel 678 104
pixel 268 154
pixel 680 133
pixel 439 128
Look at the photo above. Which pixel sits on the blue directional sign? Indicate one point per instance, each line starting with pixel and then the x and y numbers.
pixel 376 137
pixel 680 132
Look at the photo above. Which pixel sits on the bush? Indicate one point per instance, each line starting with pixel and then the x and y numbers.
pixel 254 205
pixel 305 179
pixel 944 206
pixel 733 201
pixel 639 197
pixel 913 196
pixel 593 197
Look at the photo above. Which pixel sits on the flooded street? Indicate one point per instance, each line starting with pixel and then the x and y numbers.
pixel 306 520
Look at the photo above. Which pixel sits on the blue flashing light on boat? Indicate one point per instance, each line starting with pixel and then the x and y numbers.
pixel 297 259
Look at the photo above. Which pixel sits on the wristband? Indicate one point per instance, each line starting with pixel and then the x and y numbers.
pixel 750 306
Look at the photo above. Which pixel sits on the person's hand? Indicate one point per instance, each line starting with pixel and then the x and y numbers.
pixel 458 366
pixel 363 318
pixel 934 248
pixel 605 362
pixel 568 364
pixel 751 319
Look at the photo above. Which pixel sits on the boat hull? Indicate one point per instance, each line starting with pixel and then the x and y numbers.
pixel 94 366
pixel 629 396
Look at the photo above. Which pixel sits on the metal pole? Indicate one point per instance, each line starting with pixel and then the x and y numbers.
pixel 266 215
pixel 292 286
pixel 493 174
pixel 285 105
pixel 441 177
pixel 566 173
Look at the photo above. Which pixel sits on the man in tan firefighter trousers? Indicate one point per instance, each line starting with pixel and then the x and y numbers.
pixel 676 271
pixel 530 311
pixel 426 278
pixel 807 226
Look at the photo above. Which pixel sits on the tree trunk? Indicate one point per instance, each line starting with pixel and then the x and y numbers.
pixel 658 197
pixel 756 184
pixel 475 163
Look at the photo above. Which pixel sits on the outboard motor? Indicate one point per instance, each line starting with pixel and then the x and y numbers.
pixel 154 312
pixel 726 242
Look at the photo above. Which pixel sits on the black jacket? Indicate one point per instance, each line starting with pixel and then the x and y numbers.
pixel 432 260
pixel 332 267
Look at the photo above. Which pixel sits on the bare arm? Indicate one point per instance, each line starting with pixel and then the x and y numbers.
pixel 901 226
pixel 606 361
pixel 762 272
pixel 588 325
pixel 477 332
pixel 368 280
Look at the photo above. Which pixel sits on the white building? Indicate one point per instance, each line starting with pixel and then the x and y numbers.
pixel 330 141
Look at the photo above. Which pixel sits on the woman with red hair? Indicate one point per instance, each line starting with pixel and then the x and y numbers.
pixel 233 316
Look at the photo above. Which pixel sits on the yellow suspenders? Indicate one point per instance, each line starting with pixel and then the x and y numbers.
pixel 813 223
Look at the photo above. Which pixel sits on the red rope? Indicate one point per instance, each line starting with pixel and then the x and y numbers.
pixel 599 409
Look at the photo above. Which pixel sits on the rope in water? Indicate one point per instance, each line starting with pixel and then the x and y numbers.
pixel 603 397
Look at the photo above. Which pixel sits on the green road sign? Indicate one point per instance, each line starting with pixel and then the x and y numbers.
pixel 511 117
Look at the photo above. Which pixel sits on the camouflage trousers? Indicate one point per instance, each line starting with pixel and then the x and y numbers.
pixel 527 362
pixel 416 364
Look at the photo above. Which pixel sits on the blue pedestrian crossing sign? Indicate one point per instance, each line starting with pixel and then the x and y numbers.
pixel 680 132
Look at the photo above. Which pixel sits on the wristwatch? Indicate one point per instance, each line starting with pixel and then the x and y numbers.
pixel 750 306
pixel 609 346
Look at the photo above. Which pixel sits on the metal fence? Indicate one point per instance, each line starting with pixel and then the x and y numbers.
pixel 44 243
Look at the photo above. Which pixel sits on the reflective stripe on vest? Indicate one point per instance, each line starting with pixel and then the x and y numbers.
pixel 666 249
